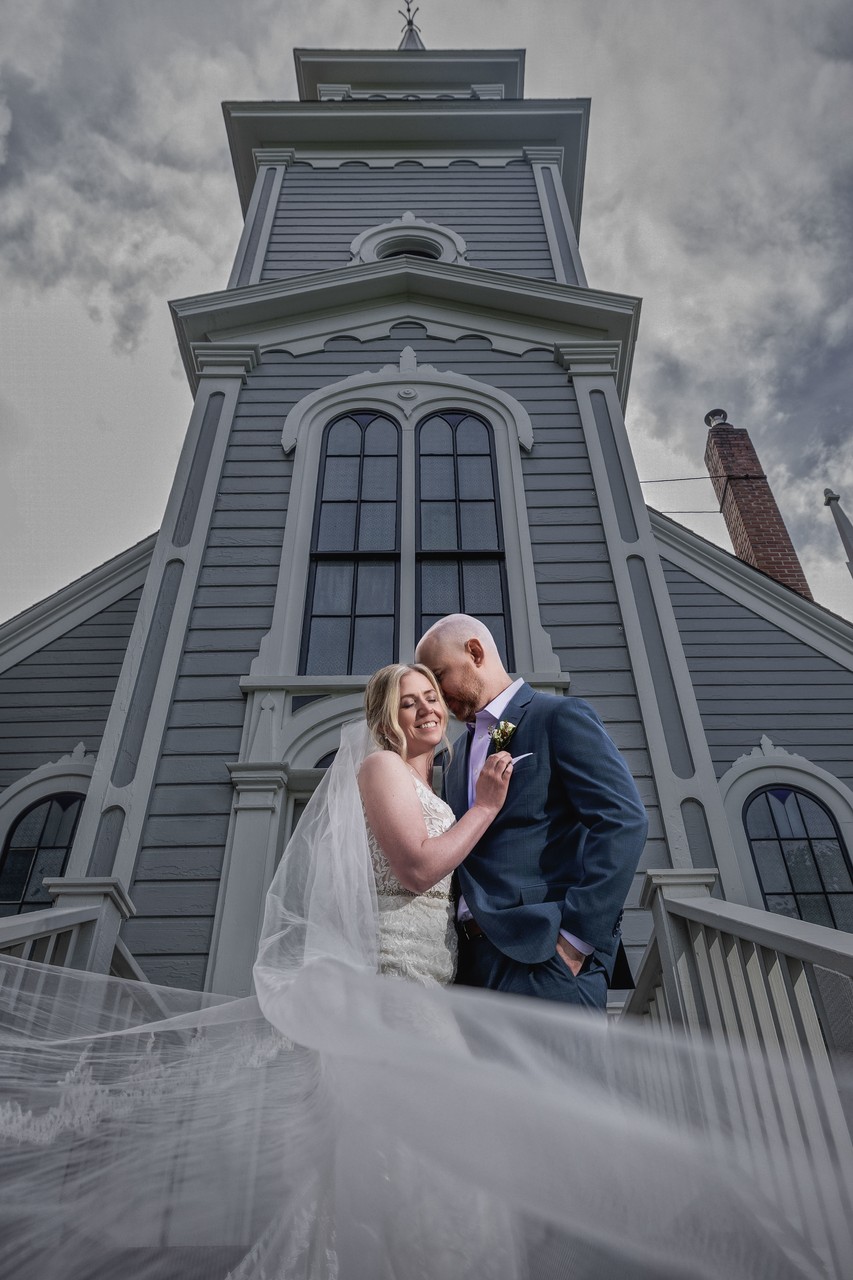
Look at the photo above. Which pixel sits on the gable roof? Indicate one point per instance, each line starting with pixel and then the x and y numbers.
pixel 807 621
pixel 67 608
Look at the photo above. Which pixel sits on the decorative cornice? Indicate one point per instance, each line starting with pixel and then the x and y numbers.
pixel 222 360
pixel 591 358
pixel 807 621
pixel 46 621
pixel 281 156
pixel 327 302
pixel 545 155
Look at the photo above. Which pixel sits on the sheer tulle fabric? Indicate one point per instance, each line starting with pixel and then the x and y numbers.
pixel 350 1124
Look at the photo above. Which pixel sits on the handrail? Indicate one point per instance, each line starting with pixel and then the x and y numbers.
pixel 26 928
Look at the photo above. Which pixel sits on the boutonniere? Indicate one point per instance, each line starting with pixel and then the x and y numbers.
pixel 501 734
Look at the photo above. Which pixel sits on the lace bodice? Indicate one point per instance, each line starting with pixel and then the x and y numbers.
pixel 417 935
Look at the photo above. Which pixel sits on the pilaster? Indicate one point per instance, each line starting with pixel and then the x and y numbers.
pixel 113 816
pixel 692 812
pixel 547 164
pixel 271 164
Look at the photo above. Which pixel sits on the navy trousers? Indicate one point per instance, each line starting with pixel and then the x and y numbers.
pixel 482 965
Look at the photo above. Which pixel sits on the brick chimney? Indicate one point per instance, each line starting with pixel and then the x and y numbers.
pixel 755 525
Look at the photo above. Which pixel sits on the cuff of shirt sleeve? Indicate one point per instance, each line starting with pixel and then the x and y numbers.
pixel 583 947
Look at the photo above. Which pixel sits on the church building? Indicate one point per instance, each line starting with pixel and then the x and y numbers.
pixel 410 401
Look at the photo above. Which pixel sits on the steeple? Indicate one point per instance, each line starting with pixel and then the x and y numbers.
pixel 842 521
pixel 411 33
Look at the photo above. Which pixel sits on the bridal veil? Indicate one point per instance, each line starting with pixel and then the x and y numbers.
pixel 346 1124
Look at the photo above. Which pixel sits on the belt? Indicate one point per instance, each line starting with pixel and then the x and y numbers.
pixel 470 929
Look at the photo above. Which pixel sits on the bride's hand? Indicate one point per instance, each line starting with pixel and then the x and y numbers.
pixel 493 782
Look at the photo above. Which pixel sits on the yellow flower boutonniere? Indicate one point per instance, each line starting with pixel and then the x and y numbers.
pixel 501 734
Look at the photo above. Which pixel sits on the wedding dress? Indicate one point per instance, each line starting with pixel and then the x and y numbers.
pixel 348 1123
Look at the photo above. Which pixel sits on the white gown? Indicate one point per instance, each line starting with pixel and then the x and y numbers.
pixel 417 935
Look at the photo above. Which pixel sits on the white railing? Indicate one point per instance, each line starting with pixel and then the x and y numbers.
pixel 745 977
pixel 79 932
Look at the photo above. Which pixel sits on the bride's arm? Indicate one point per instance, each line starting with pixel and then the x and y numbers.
pixel 396 818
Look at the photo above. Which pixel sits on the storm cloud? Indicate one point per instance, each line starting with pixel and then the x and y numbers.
pixel 719 188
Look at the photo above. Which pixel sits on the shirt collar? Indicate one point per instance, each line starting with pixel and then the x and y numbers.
pixel 495 709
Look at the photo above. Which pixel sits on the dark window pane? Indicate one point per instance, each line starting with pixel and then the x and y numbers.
pixel 439 587
pixel 337 527
pixel 437 480
pixel 815 908
pixel 783 905
pixel 833 866
pixel 378 526
pixel 26 834
pixel 49 862
pixel 379 479
pixel 472 437
pixel 783 806
pixel 344 437
pixel 438 526
pixel 817 820
pixel 475 478
pixel 341 479
pixel 758 820
pixel 376 589
pixel 374 644
pixel 436 436
pixel 380 437
pixel 64 834
pixel 498 629
pixel 15 873
pixel 479 526
pixel 801 866
pixel 328 643
pixel 770 866
pixel 482 588
pixel 842 909
pixel 332 589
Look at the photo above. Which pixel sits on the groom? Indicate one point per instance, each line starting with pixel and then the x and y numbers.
pixel 541 894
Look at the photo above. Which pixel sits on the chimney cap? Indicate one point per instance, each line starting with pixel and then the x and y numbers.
pixel 716 418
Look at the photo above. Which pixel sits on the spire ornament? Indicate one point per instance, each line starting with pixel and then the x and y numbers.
pixel 411 32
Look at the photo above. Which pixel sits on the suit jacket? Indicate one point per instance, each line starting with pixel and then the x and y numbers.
pixel 563 850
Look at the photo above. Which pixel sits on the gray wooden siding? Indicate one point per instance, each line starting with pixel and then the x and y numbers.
pixel 178 868
pixel 321 211
pixel 752 678
pixel 61 694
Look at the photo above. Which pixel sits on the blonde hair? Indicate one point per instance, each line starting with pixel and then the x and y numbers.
pixel 382 705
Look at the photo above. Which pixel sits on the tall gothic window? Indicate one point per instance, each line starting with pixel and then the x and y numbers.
pixel 802 865
pixel 460 553
pixel 37 846
pixel 353 584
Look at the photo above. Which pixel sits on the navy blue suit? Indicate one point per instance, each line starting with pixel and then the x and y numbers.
pixel 561 853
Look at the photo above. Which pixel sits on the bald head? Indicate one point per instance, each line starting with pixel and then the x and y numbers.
pixel 461 652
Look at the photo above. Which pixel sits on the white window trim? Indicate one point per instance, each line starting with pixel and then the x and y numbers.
pixel 407 392
pixel 408 234
pixel 70 773
pixel 771 766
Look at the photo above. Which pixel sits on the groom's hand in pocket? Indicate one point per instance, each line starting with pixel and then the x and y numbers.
pixel 570 955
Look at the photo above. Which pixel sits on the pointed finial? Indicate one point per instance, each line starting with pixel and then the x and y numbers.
pixel 411 32
pixel 843 523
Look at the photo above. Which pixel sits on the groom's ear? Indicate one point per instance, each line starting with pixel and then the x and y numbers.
pixel 475 650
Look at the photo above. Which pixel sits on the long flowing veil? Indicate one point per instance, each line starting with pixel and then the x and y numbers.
pixel 347 1124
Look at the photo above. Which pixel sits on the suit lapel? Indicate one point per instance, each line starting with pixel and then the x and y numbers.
pixel 456 777
pixel 515 711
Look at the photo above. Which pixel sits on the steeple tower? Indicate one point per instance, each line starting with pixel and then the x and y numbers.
pixel 411 33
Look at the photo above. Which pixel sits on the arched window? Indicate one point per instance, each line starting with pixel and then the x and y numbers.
pixel 37 846
pixel 351 614
pixel 460 552
pixel 802 864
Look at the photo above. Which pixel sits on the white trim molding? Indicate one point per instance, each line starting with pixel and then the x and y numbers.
pixel 69 773
pixel 408 392
pixel 408 235
pixel 770 766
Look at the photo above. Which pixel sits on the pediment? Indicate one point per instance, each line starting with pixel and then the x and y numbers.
pixel 514 313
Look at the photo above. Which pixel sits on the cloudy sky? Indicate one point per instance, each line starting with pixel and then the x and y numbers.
pixel 719 188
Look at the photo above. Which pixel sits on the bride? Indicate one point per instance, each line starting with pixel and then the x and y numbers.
pixel 362 1118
